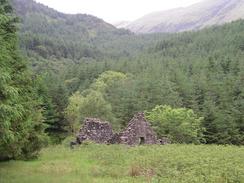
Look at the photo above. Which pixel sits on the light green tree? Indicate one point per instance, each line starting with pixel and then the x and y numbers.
pixel 93 105
pixel 92 102
pixel 73 112
pixel 180 125
pixel 106 80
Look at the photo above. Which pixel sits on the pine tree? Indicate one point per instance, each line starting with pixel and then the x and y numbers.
pixel 21 128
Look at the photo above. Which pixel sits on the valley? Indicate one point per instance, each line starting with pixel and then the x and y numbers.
pixel 184 74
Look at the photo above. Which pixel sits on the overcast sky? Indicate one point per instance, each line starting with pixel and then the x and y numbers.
pixel 115 10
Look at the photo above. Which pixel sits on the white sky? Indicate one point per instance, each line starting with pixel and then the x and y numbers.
pixel 115 10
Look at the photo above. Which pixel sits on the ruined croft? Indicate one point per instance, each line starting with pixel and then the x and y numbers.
pixel 138 131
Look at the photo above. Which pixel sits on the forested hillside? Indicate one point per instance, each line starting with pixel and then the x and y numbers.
pixel 52 39
pixel 202 71
pixel 50 34
pixel 85 67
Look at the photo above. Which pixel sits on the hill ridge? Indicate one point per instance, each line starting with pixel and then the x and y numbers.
pixel 197 16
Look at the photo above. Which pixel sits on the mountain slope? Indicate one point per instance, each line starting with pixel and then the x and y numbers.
pixel 48 33
pixel 121 24
pixel 195 17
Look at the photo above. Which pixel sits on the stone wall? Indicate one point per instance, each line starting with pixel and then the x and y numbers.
pixel 95 130
pixel 137 132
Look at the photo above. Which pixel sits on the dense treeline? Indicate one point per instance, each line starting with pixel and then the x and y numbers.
pixel 202 71
pixel 21 123
pixel 50 34
pixel 53 39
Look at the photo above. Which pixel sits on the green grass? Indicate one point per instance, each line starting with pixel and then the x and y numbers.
pixel 116 163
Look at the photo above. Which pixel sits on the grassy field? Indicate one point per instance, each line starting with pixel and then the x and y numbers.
pixel 116 163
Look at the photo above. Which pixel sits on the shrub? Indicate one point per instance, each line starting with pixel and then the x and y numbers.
pixel 180 125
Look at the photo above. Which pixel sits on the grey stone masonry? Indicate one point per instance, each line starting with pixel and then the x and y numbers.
pixel 137 132
pixel 95 130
